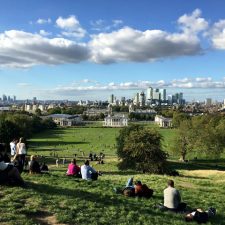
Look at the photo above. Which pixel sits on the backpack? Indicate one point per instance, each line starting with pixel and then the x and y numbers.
pixel 201 217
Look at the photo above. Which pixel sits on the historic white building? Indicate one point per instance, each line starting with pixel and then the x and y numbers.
pixel 115 121
pixel 65 119
pixel 163 122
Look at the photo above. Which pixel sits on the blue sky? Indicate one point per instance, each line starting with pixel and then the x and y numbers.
pixel 88 49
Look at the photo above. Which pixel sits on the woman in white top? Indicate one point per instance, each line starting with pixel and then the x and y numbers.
pixel 21 153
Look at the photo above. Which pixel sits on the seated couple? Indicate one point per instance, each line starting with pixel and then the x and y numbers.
pixel 86 172
pixel 139 189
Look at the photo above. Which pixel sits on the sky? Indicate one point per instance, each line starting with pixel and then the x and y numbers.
pixel 89 49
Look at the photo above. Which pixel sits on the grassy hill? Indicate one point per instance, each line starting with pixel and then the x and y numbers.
pixel 58 199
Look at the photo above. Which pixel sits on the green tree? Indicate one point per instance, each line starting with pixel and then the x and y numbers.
pixel 139 148
pixel 202 134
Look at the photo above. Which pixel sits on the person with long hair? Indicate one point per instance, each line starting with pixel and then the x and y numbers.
pixel 21 152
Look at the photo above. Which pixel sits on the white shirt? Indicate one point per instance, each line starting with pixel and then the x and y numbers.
pixel 21 148
pixel 171 198
pixel 86 172
pixel 13 148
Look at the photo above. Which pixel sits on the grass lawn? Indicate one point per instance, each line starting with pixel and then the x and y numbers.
pixel 58 199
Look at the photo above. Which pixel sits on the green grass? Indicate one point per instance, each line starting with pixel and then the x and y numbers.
pixel 67 200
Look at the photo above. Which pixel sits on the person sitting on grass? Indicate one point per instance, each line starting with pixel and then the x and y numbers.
pixel 200 216
pixel 73 169
pixel 34 165
pixel 172 198
pixel 87 172
pixel 44 168
pixel 8 173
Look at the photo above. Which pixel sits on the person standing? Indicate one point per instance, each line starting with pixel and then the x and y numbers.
pixel 13 148
pixel 21 152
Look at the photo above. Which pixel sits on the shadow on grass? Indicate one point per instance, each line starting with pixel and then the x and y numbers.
pixel 101 200
pixel 122 173
pixel 198 165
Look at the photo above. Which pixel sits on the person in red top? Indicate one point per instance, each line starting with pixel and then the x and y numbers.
pixel 142 190
pixel 73 169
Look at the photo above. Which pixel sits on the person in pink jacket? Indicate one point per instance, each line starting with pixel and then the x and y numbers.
pixel 73 169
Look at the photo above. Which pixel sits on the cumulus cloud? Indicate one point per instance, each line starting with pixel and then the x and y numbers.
pixel 193 23
pixel 43 21
pixel 217 35
pixel 21 49
pixel 71 27
pixel 128 44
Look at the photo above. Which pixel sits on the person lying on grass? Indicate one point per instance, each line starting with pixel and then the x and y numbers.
pixel 200 216
pixel 8 173
pixel 138 190
pixel 88 173
pixel 73 169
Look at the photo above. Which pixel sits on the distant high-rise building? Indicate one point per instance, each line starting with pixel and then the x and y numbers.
pixel 123 100
pixel 162 94
pixel 4 98
pixel 14 98
pixel 111 99
pixel 136 99
pixel 156 94
pixel 149 94
pixel 142 98
pixel 208 101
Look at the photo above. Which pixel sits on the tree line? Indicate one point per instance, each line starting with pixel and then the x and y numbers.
pixel 21 124
pixel 203 134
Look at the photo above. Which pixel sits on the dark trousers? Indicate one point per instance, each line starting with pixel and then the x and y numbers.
pixel 21 162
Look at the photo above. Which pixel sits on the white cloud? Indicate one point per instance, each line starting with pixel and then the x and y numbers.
pixel 43 21
pixel 23 85
pixel 185 83
pixel 128 44
pixel 116 23
pixel 71 27
pixel 217 35
pixel 193 23
pixel 102 26
pixel 22 49
pixel 44 33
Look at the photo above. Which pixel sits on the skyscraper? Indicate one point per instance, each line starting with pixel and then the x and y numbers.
pixel 149 94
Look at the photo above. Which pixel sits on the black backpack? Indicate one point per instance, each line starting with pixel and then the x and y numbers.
pixel 201 217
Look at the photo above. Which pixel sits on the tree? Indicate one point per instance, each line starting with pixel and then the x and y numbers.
pixel 184 140
pixel 202 134
pixel 178 118
pixel 140 148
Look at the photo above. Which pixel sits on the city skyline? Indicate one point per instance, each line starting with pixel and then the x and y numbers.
pixel 89 49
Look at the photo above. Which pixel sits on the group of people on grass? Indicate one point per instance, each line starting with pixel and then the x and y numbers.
pixel 12 166
pixel 10 173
